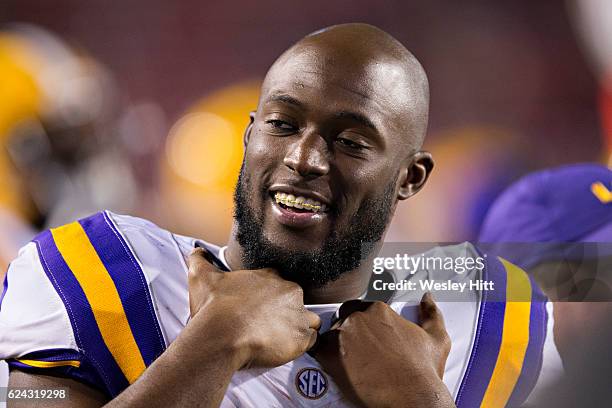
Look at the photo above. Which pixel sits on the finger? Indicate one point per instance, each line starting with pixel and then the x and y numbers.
pixel 199 266
pixel 314 321
pixel 431 318
pixel 314 335
pixel 202 258
pixel 336 324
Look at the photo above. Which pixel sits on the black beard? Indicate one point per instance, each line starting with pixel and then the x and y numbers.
pixel 342 251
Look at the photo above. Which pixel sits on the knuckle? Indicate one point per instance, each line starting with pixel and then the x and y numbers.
pixel 297 289
pixel 294 288
pixel 423 337
pixel 192 273
pixel 313 317
pixel 378 307
pixel 445 342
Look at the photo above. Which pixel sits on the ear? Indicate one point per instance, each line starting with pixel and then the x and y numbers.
pixel 415 175
pixel 247 131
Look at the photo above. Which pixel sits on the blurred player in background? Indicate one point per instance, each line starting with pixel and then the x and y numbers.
pixel 58 155
pixel 557 224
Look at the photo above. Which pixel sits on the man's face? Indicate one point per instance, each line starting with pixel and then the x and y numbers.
pixel 326 139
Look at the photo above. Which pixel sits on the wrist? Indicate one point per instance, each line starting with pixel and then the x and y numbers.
pixel 220 335
pixel 431 392
pixel 423 389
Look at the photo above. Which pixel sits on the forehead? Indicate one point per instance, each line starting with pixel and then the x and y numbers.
pixel 374 86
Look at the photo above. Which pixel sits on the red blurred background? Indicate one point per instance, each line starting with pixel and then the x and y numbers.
pixel 512 90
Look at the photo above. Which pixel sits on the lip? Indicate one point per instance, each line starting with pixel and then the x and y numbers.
pixel 296 191
pixel 294 219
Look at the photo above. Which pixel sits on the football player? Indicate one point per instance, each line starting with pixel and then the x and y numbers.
pixel 57 108
pixel 123 312
pixel 48 119
pixel 557 224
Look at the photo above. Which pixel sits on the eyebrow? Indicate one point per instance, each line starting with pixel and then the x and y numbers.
pixel 286 99
pixel 356 117
pixel 353 116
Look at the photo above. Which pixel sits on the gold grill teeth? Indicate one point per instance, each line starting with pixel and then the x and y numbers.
pixel 285 201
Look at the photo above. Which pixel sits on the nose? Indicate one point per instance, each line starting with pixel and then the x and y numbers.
pixel 307 156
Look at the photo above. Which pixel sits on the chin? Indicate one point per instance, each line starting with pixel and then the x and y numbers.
pixel 296 240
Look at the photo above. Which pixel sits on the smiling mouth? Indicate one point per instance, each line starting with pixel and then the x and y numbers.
pixel 299 204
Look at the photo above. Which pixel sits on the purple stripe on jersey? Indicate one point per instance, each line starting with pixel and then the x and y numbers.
pixel 130 283
pixel 532 364
pixel 86 331
pixel 85 373
pixel 4 289
pixel 17 364
pixel 52 355
pixel 487 340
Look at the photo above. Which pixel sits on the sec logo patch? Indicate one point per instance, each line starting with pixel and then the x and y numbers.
pixel 311 383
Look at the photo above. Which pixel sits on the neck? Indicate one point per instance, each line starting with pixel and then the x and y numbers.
pixel 351 285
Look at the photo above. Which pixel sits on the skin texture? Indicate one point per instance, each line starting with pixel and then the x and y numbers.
pixel 342 113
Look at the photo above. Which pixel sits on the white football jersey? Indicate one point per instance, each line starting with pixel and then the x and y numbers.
pixel 100 299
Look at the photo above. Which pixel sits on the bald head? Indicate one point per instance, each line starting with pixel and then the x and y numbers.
pixel 365 60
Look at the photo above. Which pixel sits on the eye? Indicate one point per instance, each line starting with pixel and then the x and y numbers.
pixel 280 125
pixel 349 143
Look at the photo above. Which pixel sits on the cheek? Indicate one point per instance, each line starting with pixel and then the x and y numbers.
pixel 262 158
pixel 261 147
pixel 375 169
pixel 360 181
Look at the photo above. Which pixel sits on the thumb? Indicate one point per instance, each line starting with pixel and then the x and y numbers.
pixel 431 318
pixel 202 274
pixel 200 263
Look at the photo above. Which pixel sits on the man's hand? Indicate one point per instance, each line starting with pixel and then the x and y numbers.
pixel 238 319
pixel 380 359
pixel 261 314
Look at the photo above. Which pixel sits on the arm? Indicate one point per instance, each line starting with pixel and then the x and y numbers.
pixel 242 318
pixel 79 395
pixel 176 378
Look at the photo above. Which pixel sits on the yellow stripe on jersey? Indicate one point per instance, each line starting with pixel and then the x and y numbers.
pixel 101 293
pixel 50 364
pixel 515 338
